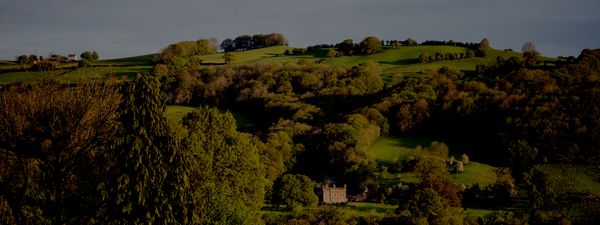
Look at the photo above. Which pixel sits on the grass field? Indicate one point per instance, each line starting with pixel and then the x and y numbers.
pixel 399 61
pixel 573 178
pixel 403 60
pixel 475 172
pixel 75 74
pixel 174 113
pixel 135 60
pixel 388 149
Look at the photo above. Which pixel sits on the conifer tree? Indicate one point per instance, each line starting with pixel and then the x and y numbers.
pixel 146 182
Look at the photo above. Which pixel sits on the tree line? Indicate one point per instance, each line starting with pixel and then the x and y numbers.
pixel 248 42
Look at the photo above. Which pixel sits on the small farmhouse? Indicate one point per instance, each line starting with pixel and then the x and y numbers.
pixel 333 194
pixel 72 58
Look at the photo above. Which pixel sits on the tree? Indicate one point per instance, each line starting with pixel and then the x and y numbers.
pixel 370 45
pixel 445 189
pixel 243 42
pixel 410 42
pixel 346 47
pixel 95 56
pixel 367 76
pixel 22 59
pixel 530 54
pixel 483 48
pixel 425 204
pixel 146 182
pixel 484 43
pixel 521 156
pixel 229 57
pixel 33 58
pixel 331 53
pixel 51 142
pixel 227 45
pixel 87 55
pixel 428 166
pixel 226 176
pixel 424 57
pixel 294 190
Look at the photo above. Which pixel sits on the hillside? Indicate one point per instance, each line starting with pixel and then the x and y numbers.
pixel 403 61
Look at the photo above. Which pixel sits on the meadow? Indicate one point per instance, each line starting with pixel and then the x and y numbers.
pixel 388 149
pixel 393 61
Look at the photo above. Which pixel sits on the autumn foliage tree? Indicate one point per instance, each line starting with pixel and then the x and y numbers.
pixel 370 45
pixel 51 142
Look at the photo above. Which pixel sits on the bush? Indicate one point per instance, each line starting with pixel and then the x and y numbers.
pixel 84 63
pixel 44 66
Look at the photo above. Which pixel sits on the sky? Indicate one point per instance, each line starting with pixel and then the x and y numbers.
pixel 123 28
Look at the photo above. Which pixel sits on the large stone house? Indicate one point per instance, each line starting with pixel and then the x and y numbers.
pixel 333 194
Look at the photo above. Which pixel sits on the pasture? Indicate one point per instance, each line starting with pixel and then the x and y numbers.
pixel 386 150
pixel 393 61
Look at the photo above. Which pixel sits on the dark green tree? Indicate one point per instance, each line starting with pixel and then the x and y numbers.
pixel 22 59
pixel 145 185
pixel 294 190
pixel 409 42
pixel 87 55
pixel 346 47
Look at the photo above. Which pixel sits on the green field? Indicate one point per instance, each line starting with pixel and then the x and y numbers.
pixel 573 178
pixel 403 60
pixel 388 149
pixel 174 113
pixel 475 172
pixel 399 61
pixel 137 60
pixel 76 74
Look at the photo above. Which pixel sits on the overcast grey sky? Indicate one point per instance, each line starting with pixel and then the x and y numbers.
pixel 121 28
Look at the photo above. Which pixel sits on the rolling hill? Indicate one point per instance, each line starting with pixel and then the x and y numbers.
pixel 398 61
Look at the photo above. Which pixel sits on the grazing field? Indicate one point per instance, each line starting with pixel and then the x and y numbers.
pixel 388 149
pixel 174 113
pixel 398 61
pixel 69 75
pixel 403 60
pixel 475 172
pixel 366 209
pixel 573 178
pixel 137 60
